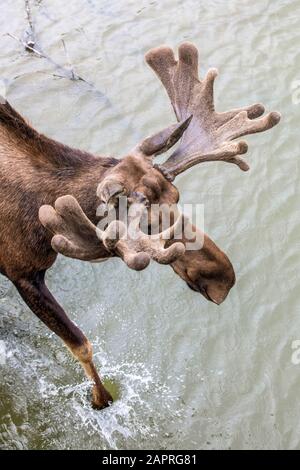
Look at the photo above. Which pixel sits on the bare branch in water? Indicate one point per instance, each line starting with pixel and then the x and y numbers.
pixel 31 45
pixel 30 33
pixel 26 45
pixel 68 59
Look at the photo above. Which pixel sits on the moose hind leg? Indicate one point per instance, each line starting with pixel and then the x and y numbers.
pixel 40 300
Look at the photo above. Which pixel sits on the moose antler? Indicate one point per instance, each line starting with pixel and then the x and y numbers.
pixel 162 141
pixel 209 135
pixel 76 236
pixel 136 247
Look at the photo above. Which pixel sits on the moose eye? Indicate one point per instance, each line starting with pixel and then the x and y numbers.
pixel 151 188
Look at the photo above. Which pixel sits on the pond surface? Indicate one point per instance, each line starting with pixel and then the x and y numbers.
pixel 188 374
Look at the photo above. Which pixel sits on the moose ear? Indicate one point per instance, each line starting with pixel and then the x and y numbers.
pixel 162 141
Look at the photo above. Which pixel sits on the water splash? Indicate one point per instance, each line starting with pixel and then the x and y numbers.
pixel 132 418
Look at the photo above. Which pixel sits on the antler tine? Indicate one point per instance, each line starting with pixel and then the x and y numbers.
pixel 75 236
pixel 229 152
pixel 162 61
pixel 168 255
pixel 115 240
pixel 209 135
pixel 136 248
pixel 162 141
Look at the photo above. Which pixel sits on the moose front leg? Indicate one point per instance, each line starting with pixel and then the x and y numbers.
pixel 39 299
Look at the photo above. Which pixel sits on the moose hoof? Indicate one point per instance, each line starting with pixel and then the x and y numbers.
pixel 101 398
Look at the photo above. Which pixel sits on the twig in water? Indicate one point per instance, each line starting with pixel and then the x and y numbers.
pixel 31 45
pixel 30 33
pixel 64 72
pixel 26 45
pixel 69 61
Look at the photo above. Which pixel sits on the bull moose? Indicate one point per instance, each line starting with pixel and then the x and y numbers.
pixel 49 195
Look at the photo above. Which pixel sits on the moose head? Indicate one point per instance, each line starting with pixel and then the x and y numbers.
pixel 205 135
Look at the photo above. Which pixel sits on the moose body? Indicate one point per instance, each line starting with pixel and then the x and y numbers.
pixel 34 171
pixel 37 172
pixel 27 181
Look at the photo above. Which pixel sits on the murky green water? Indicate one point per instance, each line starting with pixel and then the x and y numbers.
pixel 189 374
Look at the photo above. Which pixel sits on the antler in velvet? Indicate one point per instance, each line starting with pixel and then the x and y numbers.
pixel 76 236
pixel 210 134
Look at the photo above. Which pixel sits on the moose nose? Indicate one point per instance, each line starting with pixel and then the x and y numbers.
pixel 217 296
pixel 214 294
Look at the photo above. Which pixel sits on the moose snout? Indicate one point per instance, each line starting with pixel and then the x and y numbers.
pixel 217 295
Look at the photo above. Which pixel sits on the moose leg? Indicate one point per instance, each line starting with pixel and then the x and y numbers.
pixel 39 299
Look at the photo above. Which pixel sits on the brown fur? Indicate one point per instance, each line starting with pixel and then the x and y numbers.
pixel 35 170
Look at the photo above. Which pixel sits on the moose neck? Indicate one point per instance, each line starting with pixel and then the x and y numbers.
pixel 44 169
pixel 82 183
